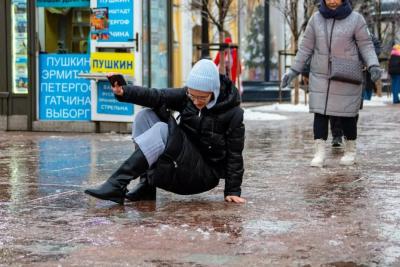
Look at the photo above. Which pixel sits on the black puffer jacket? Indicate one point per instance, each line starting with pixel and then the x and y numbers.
pixel 204 147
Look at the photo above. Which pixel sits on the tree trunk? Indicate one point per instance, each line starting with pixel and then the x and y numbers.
pixel 296 81
pixel 222 53
pixel 205 51
pixel 221 36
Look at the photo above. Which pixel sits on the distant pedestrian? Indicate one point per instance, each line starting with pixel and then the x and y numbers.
pixel 370 86
pixel 188 157
pixel 334 32
pixel 394 71
pixel 232 63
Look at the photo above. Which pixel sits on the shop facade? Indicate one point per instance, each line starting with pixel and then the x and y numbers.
pixel 58 52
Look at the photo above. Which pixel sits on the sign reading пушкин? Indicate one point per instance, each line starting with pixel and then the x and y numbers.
pixel 112 62
pixel 63 95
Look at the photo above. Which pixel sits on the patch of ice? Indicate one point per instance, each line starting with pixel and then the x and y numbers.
pixel 272 227
pixel 378 101
pixel 250 115
pixel 335 243
pixel 282 107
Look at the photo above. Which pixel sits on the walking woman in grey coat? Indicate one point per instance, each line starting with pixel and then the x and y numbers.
pixel 334 32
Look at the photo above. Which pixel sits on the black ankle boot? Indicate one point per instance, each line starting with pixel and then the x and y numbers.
pixel 142 191
pixel 337 141
pixel 114 189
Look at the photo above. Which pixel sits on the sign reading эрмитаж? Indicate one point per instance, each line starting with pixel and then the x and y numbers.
pixel 62 3
pixel 63 95
pixel 120 19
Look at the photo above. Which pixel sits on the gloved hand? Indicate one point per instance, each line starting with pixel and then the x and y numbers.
pixel 288 77
pixel 376 73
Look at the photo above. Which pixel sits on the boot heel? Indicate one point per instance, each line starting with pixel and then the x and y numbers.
pixel 108 191
pixel 114 189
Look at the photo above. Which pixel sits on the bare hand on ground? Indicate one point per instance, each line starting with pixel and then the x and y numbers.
pixel 235 199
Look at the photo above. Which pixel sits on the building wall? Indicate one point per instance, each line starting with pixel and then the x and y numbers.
pixel 182 41
pixel 177 43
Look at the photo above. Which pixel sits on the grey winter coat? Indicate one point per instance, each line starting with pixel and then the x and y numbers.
pixel 330 97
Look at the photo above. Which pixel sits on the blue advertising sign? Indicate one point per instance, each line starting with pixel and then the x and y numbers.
pixel 107 104
pixel 120 19
pixel 62 94
pixel 62 3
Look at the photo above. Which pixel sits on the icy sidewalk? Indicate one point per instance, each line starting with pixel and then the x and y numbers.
pixel 295 215
pixel 268 112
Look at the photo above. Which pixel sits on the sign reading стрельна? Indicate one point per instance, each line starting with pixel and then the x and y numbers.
pixel 107 104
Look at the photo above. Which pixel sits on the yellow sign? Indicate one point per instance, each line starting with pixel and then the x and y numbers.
pixel 113 62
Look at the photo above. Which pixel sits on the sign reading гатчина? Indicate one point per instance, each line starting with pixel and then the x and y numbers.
pixel 62 94
pixel 120 19
pixel 62 3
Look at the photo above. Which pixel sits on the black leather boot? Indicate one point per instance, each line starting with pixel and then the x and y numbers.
pixel 142 191
pixel 114 189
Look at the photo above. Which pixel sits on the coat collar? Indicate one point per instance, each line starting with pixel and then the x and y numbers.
pixel 229 96
pixel 342 12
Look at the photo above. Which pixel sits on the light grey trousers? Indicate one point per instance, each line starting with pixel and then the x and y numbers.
pixel 150 134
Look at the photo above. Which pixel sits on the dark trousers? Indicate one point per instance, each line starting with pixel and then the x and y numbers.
pixel 336 126
pixel 396 88
pixel 348 126
pixel 367 94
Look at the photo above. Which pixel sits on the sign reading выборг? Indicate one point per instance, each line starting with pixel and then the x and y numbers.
pixel 62 3
pixel 120 18
pixel 62 94
pixel 107 104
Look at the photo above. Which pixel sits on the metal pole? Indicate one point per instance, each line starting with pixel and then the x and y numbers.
pixel 32 90
pixel 266 41
pixel 205 53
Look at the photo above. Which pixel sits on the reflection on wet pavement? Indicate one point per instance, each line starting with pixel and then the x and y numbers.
pixel 294 216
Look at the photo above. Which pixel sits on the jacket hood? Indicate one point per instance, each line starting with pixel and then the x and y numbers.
pixel 229 96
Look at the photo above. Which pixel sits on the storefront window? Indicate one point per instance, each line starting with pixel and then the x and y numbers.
pixel 64 37
pixel 253 40
pixel 146 45
pixel 19 47
pixel 65 30
pixel 159 41
pixel 253 47
pixel 276 39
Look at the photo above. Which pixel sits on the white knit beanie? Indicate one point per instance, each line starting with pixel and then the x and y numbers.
pixel 204 76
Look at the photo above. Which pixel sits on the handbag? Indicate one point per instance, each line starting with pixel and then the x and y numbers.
pixel 343 69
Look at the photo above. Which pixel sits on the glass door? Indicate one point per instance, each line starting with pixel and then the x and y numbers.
pixel 64 45
pixel 159 43
pixel 155 43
